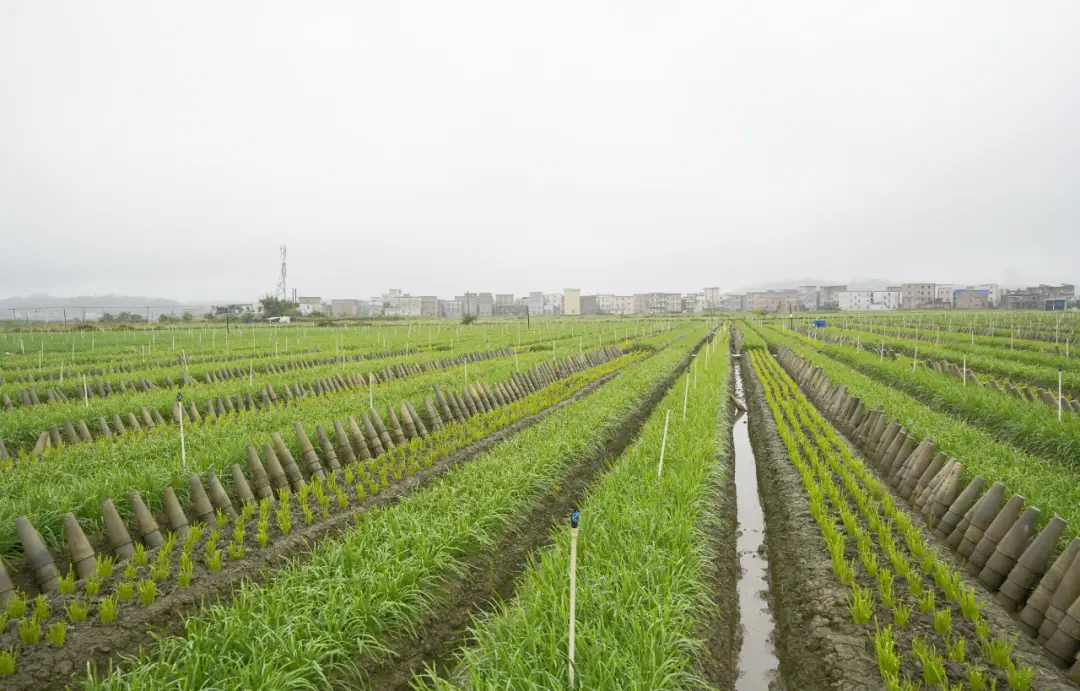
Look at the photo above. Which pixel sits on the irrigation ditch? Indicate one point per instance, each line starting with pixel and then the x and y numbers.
pixel 491 575
pixel 758 665
pixel 108 644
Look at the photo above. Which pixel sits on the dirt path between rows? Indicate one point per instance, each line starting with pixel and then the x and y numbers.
pixel 818 645
pixel 94 642
pixel 491 576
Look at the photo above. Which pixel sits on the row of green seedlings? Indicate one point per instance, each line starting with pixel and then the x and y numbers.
pixel 1028 372
pixel 1013 341
pixel 979 400
pixel 216 373
pixel 361 478
pixel 928 561
pixel 69 432
pixel 878 510
pixel 889 443
pixel 1050 598
pixel 453 405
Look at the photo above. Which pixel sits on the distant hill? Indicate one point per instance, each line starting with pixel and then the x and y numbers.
pixel 107 301
pixel 853 284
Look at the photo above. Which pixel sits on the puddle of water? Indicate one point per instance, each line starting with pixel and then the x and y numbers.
pixel 758 664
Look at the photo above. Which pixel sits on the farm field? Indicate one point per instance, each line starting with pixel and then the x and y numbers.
pixel 595 503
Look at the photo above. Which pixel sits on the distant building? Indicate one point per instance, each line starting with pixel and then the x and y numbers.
pixel 993 291
pixel 589 305
pixel 536 303
pixel 553 304
pixel 657 303
pixel 944 294
pixel 773 300
pixel 735 302
pixel 429 306
pixel 605 304
pixel 309 305
pixel 918 295
pixel 624 305
pixel 810 297
pixel 694 302
pixel 409 305
pixel 829 296
pixel 345 307
pixel 504 304
pixel 1035 297
pixel 970 299
pixel 451 309
pixel 868 300
pixel 714 299
pixel 571 301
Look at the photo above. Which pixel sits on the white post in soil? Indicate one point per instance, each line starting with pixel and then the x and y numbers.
pixel 573 590
pixel 1059 393
pixel 965 371
pixel 663 444
pixel 370 390
pixel 183 450
pixel 85 393
pixel 685 396
pixel 881 358
pixel 915 359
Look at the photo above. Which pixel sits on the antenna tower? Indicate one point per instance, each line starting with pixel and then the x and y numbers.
pixel 281 281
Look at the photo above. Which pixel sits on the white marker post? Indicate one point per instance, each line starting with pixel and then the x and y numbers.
pixel 573 590
pixel 1059 393
pixel 915 359
pixel 965 371
pixel 370 390
pixel 183 450
pixel 695 372
pixel 663 444
pixel 85 393
pixel 686 395
pixel 882 357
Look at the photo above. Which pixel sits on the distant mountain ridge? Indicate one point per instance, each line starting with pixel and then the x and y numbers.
pixel 38 300
pixel 853 284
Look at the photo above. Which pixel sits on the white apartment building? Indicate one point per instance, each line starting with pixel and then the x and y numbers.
pixel 869 300
pixel 714 299
pixel 605 304
pixel 624 304
pixel 409 305
pixel 553 304
pixel 943 293
pixel 309 304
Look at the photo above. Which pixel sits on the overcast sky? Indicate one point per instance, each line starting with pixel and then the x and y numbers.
pixel 167 149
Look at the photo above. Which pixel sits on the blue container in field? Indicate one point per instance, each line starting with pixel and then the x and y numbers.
pixel 820 323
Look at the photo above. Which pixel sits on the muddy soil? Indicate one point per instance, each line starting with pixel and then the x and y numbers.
pixel 43 666
pixel 491 576
pixel 818 645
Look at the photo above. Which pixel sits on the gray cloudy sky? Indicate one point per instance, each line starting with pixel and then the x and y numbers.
pixel 168 148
